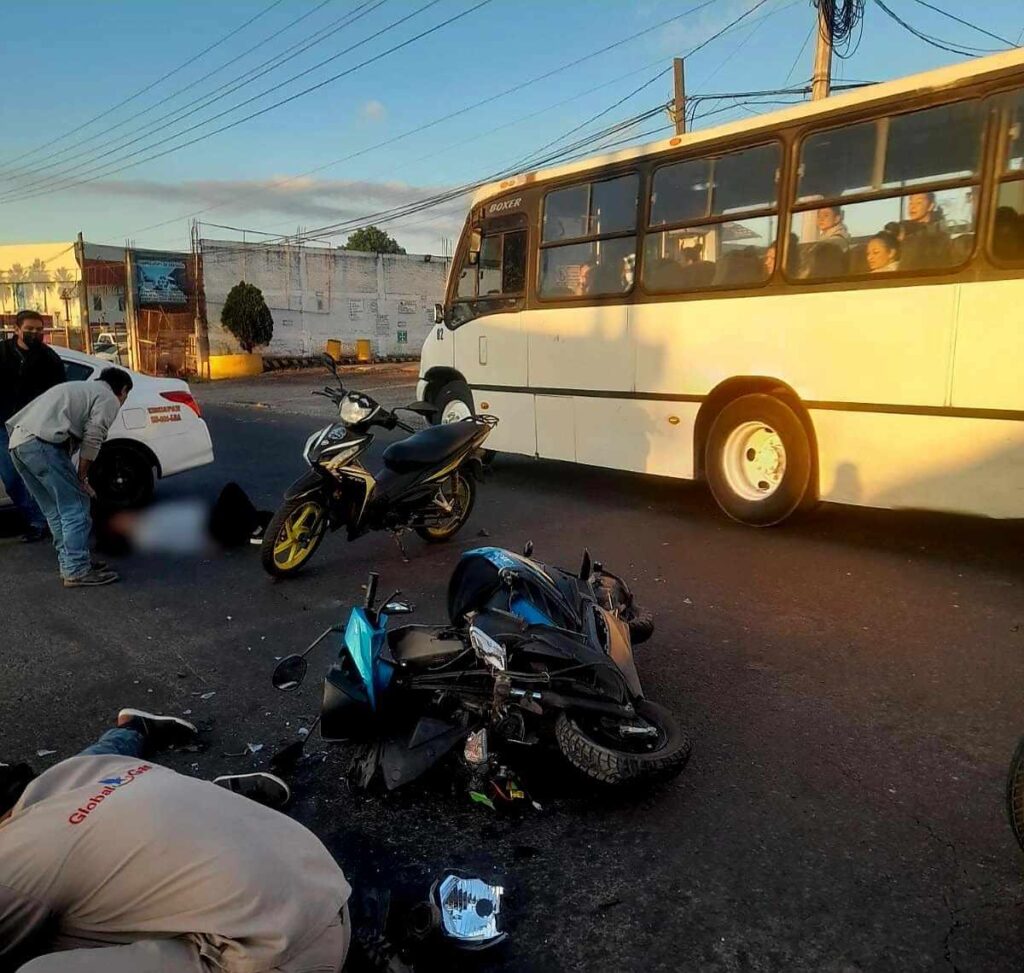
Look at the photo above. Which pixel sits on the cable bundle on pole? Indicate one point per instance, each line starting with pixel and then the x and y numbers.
pixel 841 18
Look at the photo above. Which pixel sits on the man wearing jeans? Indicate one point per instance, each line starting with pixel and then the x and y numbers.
pixel 110 863
pixel 28 367
pixel 43 436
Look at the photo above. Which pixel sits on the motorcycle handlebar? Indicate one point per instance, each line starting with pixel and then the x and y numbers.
pixel 371 591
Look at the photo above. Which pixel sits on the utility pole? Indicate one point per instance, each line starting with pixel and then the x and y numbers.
pixel 822 80
pixel 83 295
pixel 679 101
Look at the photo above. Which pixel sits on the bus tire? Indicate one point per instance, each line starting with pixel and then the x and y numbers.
pixel 454 401
pixel 758 460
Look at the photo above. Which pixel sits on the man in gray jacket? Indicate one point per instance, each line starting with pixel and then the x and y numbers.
pixel 43 436
pixel 110 863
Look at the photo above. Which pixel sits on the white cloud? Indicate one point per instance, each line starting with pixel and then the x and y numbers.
pixel 281 203
pixel 373 110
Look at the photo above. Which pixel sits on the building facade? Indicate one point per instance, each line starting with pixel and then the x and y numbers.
pixel 320 294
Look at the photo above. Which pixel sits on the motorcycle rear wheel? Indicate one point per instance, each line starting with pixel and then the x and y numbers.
pixel 460 491
pixel 591 751
pixel 1015 793
pixel 293 535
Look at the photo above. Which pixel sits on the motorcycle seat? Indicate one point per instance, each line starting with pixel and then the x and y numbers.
pixel 416 645
pixel 429 447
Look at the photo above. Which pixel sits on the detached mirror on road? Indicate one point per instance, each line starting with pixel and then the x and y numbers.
pixel 399 608
pixel 289 673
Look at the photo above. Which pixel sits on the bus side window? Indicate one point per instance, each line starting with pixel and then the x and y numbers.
pixel 1008 227
pixel 603 214
pixel 718 218
pixel 513 268
pixel 866 203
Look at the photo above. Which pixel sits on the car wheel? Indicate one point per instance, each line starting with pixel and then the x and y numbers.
pixel 123 477
pixel 758 460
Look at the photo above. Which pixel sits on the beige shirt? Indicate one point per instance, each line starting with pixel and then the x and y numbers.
pixel 118 849
pixel 79 412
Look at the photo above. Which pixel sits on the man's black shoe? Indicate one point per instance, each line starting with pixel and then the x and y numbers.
pixel 160 732
pixel 35 534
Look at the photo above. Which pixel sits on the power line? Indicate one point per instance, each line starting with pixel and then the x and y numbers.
pixel 179 91
pixel 963 51
pixel 966 23
pixel 57 183
pixel 800 53
pixel 466 108
pixel 152 84
pixel 474 138
pixel 660 74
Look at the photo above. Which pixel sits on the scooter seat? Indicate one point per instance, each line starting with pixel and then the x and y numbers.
pixel 429 447
pixel 414 645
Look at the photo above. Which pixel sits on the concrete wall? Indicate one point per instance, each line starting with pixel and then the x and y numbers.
pixel 319 293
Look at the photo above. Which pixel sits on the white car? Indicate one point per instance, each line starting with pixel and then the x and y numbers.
pixel 158 432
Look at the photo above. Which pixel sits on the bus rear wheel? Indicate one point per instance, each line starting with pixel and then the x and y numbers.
pixel 758 460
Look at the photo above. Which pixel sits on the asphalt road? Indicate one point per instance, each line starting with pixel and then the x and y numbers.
pixel 852 684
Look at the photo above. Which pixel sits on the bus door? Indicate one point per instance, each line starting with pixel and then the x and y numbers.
pixel 490 350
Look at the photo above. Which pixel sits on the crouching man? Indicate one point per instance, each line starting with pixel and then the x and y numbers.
pixel 112 863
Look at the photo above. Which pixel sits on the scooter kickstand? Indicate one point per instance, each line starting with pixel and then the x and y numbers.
pixel 401 547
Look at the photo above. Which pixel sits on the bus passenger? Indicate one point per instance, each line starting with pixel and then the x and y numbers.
pixel 831 227
pixel 586 279
pixel 923 234
pixel 883 253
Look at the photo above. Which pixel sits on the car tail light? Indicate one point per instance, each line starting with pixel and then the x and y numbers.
pixel 184 398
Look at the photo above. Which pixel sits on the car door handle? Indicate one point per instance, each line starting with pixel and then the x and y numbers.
pixel 483 349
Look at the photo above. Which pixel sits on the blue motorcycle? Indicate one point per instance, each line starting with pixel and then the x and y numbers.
pixel 530 653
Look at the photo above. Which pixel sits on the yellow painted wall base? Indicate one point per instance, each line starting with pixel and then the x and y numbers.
pixel 235 366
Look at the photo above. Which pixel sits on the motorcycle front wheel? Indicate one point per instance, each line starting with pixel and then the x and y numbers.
pixel 596 746
pixel 293 535
pixel 1015 793
pixel 458 492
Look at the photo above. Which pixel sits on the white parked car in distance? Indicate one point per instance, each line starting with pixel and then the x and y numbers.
pixel 158 432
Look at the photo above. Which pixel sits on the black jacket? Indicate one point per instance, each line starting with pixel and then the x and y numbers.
pixel 26 374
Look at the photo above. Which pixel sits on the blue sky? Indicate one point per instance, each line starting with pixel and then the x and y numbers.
pixel 65 62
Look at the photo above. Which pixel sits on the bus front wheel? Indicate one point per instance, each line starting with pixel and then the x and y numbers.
pixel 758 460
pixel 454 402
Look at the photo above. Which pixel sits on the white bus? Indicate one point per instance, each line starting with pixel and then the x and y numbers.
pixel 825 302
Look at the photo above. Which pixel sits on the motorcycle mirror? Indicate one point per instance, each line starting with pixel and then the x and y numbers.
pixel 399 608
pixel 289 673
pixel 587 566
pixel 528 549
pixel 329 361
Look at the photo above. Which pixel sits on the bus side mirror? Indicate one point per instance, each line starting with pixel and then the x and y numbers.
pixel 438 314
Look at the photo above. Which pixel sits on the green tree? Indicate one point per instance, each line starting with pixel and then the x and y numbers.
pixel 247 316
pixel 372 239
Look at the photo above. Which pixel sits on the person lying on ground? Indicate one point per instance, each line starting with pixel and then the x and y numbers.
pixel 110 862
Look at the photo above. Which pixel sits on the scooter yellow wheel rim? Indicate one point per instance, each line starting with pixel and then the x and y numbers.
pixel 298 535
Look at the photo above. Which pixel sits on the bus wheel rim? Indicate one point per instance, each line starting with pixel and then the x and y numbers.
pixel 754 460
pixel 455 411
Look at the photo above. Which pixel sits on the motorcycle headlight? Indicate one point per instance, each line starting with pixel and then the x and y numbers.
pixel 356 408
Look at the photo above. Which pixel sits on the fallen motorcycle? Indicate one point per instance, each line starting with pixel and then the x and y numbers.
pixel 493 677
pixel 427 483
